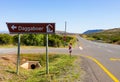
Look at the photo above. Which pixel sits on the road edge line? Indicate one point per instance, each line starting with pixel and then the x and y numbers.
pixel 104 69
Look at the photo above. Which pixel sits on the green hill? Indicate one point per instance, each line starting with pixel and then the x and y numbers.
pixel 107 36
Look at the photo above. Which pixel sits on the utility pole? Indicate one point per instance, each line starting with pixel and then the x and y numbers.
pixel 65 27
pixel 65 34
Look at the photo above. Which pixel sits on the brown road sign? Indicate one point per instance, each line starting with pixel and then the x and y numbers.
pixel 15 28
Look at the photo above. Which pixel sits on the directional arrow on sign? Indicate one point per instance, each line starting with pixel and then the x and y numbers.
pixel 13 27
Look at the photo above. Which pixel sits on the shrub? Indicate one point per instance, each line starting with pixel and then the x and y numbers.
pixel 36 40
pixel 5 39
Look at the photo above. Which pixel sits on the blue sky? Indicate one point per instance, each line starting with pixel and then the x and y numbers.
pixel 81 15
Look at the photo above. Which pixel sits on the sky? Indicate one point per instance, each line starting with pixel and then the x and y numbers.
pixel 80 15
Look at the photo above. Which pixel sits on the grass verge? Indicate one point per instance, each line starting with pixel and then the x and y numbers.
pixel 61 68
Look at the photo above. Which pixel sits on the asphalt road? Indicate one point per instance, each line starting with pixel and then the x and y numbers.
pixel 101 60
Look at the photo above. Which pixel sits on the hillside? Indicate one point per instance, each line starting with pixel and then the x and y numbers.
pixel 107 36
pixel 92 31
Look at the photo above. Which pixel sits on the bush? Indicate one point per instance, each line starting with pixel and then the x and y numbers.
pixel 15 39
pixel 32 39
pixel 36 39
pixel 5 39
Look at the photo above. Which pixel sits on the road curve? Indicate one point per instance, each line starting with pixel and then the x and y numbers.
pixel 101 54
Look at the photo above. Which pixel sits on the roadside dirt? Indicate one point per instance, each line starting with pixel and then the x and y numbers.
pixel 7 59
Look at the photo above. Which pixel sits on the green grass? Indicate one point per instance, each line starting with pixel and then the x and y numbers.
pixel 61 68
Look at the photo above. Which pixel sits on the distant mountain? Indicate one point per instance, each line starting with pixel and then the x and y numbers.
pixel 92 31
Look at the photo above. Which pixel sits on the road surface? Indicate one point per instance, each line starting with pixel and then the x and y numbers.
pixel 101 60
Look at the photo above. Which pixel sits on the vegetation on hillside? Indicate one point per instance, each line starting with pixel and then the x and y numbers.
pixel 107 36
pixel 36 40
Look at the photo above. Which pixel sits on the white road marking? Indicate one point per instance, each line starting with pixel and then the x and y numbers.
pixel 80 48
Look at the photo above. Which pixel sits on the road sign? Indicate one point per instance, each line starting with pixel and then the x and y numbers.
pixel 15 28
pixel 70 48
pixel 18 28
